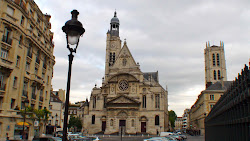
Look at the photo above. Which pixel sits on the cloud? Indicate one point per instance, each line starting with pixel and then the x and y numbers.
pixel 168 36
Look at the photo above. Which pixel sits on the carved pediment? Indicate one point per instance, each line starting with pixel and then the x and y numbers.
pixel 122 99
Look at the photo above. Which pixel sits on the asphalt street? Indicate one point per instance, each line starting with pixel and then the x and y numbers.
pixel 139 138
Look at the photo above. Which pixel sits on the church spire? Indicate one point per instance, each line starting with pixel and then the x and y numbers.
pixel 114 25
pixel 115 14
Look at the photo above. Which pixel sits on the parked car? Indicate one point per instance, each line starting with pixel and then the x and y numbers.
pixel 93 138
pixel 47 139
pixel 183 136
pixel 178 137
pixel 163 134
pixel 171 138
pixel 156 139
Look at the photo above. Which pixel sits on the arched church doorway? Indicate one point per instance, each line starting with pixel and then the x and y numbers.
pixel 143 120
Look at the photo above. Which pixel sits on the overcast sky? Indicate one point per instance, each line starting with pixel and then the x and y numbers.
pixel 168 36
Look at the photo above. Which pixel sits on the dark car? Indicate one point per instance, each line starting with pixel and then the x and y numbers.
pixel 47 139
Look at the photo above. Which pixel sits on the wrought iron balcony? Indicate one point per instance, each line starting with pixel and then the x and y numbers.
pixel 7 40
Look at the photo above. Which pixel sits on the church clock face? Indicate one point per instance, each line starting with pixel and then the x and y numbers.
pixel 123 85
pixel 113 45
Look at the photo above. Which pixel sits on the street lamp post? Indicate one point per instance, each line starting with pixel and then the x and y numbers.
pixel 73 30
pixel 26 102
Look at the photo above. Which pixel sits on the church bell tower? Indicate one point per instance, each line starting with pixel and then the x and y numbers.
pixel 113 44
pixel 215 64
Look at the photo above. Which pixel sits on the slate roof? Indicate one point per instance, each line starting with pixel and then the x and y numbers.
pixel 218 86
pixel 149 75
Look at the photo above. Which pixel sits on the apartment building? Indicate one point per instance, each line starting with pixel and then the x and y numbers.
pixel 26 65
pixel 185 119
pixel 56 107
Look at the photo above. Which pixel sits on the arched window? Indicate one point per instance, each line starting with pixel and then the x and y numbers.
pixel 157 120
pixel 94 102
pixel 144 100
pixel 214 74
pixel 111 122
pixel 110 59
pixel 213 59
pixel 113 58
pixel 157 101
pixel 219 74
pixel 105 101
pixel 218 59
pixel 124 62
pixel 93 119
pixel 133 123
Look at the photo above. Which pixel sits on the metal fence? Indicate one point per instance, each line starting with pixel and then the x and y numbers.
pixel 230 117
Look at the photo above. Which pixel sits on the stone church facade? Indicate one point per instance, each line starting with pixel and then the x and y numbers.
pixel 129 100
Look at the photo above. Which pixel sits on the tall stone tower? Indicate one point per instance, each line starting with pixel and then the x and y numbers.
pixel 113 44
pixel 215 64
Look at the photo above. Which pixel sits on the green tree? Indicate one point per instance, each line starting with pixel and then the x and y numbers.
pixel 75 122
pixel 39 114
pixel 29 112
pixel 172 117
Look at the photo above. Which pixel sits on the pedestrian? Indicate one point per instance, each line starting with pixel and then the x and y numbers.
pixel 157 132
pixel 7 137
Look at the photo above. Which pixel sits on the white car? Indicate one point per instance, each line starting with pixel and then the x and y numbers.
pixel 156 139
pixel 164 134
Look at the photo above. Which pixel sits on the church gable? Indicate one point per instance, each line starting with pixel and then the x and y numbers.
pixel 125 58
pixel 121 76
pixel 122 99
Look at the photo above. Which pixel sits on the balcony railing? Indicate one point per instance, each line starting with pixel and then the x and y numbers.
pixel 2 87
pixel 7 40
pixel 33 96
pixel 41 98
pixel 25 93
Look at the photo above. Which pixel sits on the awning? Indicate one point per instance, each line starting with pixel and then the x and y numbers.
pixel 23 123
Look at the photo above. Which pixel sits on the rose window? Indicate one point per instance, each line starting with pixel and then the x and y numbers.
pixel 123 85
